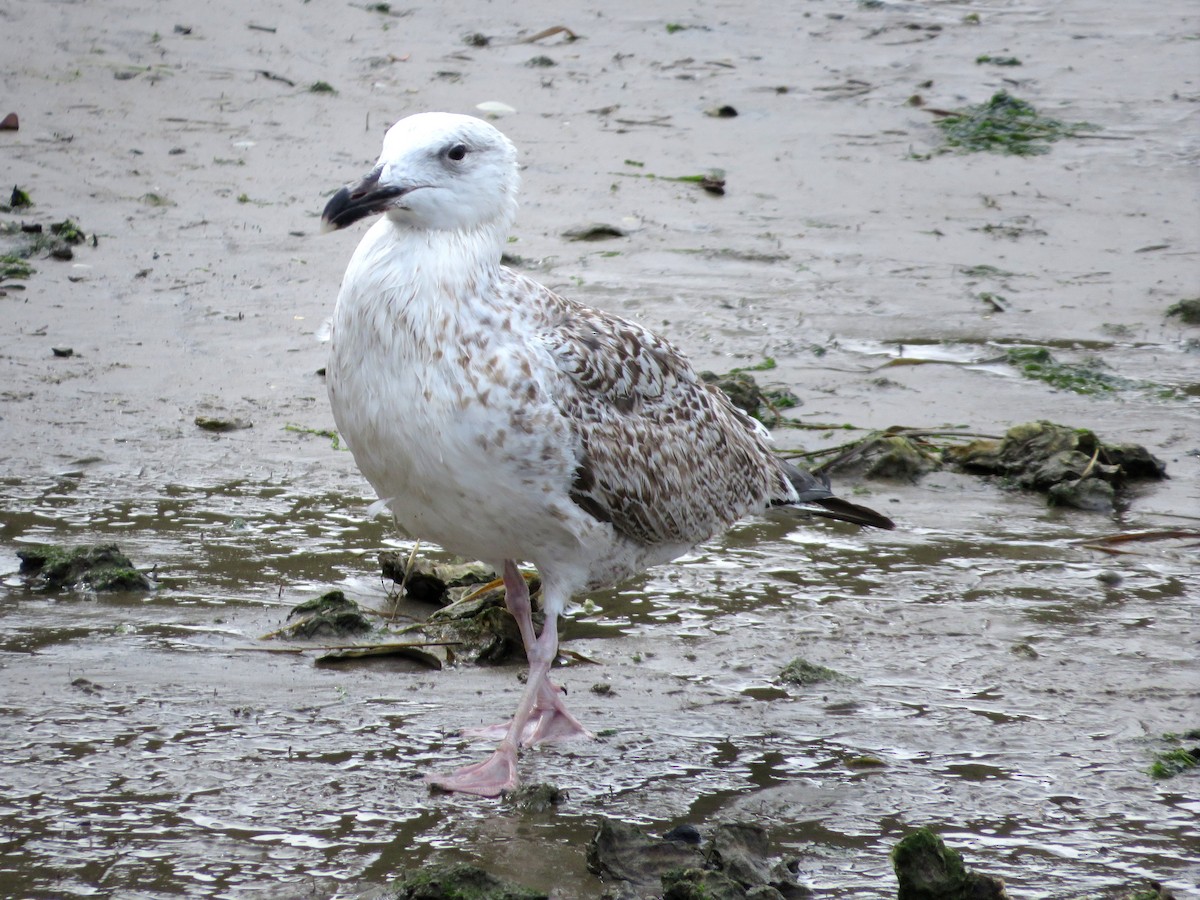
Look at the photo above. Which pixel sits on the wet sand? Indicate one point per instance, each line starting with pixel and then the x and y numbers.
pixel 1014 683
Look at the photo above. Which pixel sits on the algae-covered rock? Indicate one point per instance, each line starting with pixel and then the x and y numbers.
pixel 802 672
pixel 929 870
pixel 1071 465
pixel 481 624
pixel 1084 493
pixel 332 614
pixel 746 394
pixel 459 882
pixel 735 864
pixel 899 458
pixel 742 852
pixel 536 798
pixel 99 567
pixel 619 852
pixel 702 884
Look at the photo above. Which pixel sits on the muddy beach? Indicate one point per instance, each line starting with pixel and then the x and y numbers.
pixel 1005 677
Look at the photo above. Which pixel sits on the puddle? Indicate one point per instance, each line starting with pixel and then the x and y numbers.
pixel 1006 694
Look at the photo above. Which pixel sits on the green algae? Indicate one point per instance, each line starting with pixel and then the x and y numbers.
pixel 1188 310
pixel 1004 124
pixel 1087 377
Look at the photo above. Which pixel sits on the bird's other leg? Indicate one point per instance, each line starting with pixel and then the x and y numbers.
pixel 516 598
pixel 550 720
pixel 498 773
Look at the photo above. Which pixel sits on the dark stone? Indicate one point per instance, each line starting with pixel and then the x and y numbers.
pixel 622 852
pixel 459 882
pixel 734 865
pixel 1090 494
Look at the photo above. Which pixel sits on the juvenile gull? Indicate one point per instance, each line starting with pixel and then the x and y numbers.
pixel 509 424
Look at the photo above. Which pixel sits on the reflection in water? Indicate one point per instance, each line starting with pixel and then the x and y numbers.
pixel 1006 688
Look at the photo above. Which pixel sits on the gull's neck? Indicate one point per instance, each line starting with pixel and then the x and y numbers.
pixel 439 267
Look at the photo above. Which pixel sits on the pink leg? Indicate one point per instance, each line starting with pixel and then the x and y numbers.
pixel 498 773
pixel 541 714
pixel 516 598
pixel 550 720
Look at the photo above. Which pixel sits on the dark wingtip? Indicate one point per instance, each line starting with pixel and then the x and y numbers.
pixel 814 490
pixel 845 511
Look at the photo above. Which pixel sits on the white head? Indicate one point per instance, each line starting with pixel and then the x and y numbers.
pixel 437 172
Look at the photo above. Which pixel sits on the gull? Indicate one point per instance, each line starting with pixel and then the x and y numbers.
pixel 509 424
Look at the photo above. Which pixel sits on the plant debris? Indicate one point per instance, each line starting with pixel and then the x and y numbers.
pixel 482 624
pixel 98 567
pixel 929 870
pixel 27 239
pixel 1004 124
pixel 1172 762
pixel 220 424
pixel 13 268
pixel 413 650
pixel 712 181
pixel 569 36
pixel 1113 544
pixel 431 582
pixel 996 60
pixel 1169 763
pixel 1082 378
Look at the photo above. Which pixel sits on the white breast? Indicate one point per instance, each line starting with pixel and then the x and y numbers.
pixel 434 385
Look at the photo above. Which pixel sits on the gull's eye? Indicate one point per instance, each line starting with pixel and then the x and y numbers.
pixel 457 152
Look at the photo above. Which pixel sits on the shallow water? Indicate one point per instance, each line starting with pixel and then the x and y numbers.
pixel 1011 684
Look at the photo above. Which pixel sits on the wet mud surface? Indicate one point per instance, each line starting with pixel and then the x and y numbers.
pixel 1005 681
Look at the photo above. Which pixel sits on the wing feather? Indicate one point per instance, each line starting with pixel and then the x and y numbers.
pixel 663 456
